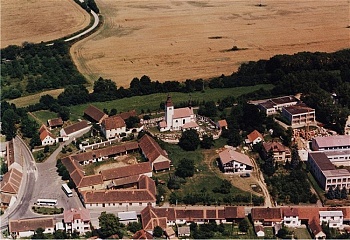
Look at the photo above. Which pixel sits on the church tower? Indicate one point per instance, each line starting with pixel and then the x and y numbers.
pixel 169 112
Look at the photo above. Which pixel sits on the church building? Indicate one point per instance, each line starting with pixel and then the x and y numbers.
pixel 177 119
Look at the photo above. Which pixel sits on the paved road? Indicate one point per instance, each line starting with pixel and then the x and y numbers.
pixel 96 22
pixel 40 180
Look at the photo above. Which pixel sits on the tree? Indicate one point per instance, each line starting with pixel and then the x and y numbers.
pixel 189 140
pixel 282 233
pixel 337 193
pixel 64 113
pixel 113 112
pixel 60 234
pixel 209 109
pixel 344 193
pixel 207 141
pixel 330 194
pixel 9 119
pixel 109 225
pixel 46 149
pixel 157 232
pixel 134 226
pixel 295 158
pixel 224 188
pixel 243 225
pixel 39 234
pixel 185 168
pixel 132 122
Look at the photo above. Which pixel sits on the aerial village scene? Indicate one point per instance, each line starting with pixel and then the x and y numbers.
pixel 175 119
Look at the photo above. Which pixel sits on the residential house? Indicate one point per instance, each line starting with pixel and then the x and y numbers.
pixel 254 138
pixel 74 129
pixel 26 227
pixel 170 233
pixel 291 217
pixel 94 114
pixel 326 173
pixel 55 122
pixel 222 124
pixel 232 161
pixel 77 220
pixel 331 143
pixel 316 230
pixel 151 150
pixel 113 127
pixel 259 231
pixel 299 115
pixel 126 115
pixel 142 234
pixel 127 217
pixel 279 152
pixel 183 231
pixel 46 137
pixel 266 216
pixel 177 119
pixel 334 219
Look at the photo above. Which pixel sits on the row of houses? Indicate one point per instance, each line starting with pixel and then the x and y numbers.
pixel 73 220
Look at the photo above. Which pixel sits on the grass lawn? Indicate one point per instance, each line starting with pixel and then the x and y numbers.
pixel 318 189
pixel 47 210
pixel 302 233
pixel 153 101
pixel 44 115
pixel 269 232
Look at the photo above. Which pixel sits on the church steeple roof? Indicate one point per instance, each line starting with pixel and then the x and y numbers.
pixel 169 102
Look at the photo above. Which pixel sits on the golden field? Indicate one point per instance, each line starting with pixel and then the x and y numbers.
pixel 179 40
pixel 39 20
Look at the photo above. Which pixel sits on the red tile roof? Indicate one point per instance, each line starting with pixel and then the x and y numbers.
pixel 23 225
pixel 222 123
pixel 42 128
pixel 142 234
pixel 267 214
pixel 274 146
pixel 161 165
pixel 290 211
pixel 126 115
pixel 182 112
pixel 147 183
pixel 55 122
pixel 46 133
pixel 150 219
pixel 95 114
pixel 11 181
pixel 76 127
pixel 151 148
pixel 113 122
pixel 73 214
pixel 125 171
pixel 234 212
pixel 254 135
pixel 118 196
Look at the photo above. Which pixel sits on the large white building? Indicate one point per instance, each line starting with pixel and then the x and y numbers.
pixel 77 220
pixel 177 119
pixel 333 218
pixel 331 143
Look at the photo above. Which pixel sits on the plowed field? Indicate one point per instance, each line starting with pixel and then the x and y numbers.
pixel 179 40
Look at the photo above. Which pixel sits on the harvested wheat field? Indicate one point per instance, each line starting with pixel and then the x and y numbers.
pixel 39 20
pixel 179 40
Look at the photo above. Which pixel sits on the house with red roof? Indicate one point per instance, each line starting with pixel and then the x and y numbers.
pixel 279 152
pixel 11 182
pixel 26 227
pixel 74 129
pixel 231 161
pixel 46 137
pixel 266 216
pixel 94 114
pixel 142 234
pixel 77 220
pixel 254 138
pixel 299 115
pixel 151 150
pixel 113 127
pixel 55 122
pixel 222 124
pixel 291 217
pixel 177 119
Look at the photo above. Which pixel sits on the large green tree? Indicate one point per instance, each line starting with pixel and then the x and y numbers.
pixel 185 168
pixel 109 225
pixel 189 140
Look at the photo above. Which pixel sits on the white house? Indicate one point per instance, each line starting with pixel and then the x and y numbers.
pixel 26 227
pixel 177 119
pixel 113 127
pixel 77 220
pixel 46 137
pixel 74 129
pixel 232 161
pixel 333 218
pixel 291 217
pixel 254 138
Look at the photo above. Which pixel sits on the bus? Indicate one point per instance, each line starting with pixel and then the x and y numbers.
pixel 67 190
pixel 46 202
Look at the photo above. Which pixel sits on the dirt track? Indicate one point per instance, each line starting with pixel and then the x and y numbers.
pixel 177 40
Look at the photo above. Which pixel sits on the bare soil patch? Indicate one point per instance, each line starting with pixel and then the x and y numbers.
pixel 119 162
pixel 40 20
pixel 178 40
